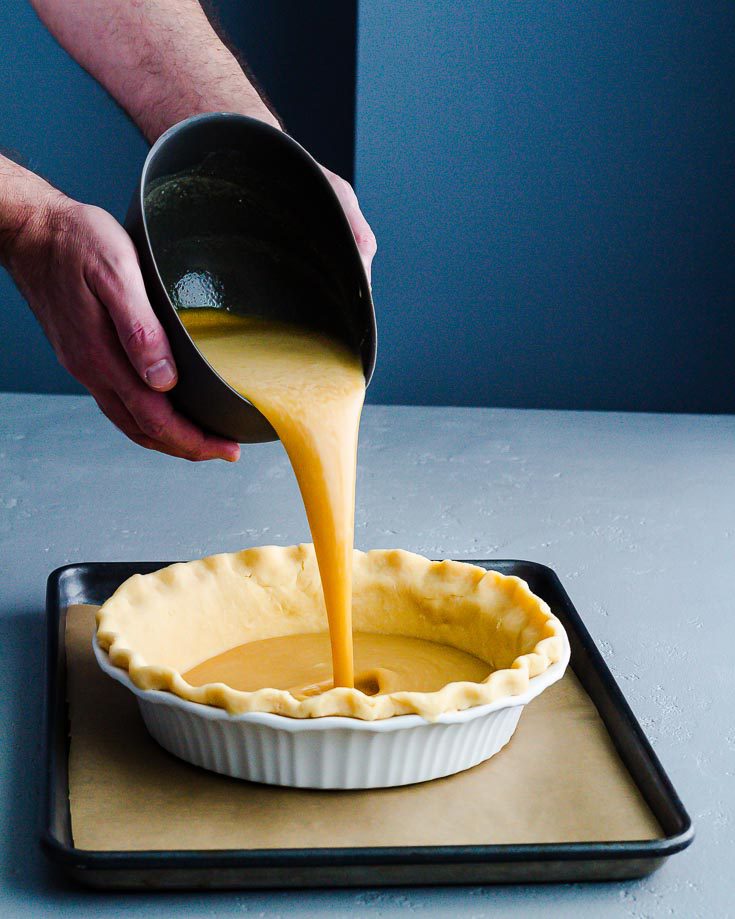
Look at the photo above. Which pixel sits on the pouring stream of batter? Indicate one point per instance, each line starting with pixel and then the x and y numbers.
pixel 311 389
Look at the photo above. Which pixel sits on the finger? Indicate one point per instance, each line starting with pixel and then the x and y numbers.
pixel 152 414
pixel 367 245
pixel 113 408
pixel 157 420
pixel 121 289
pixel 365 239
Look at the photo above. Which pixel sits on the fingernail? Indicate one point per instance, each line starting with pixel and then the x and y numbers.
pixel 233 455
pixel 160 374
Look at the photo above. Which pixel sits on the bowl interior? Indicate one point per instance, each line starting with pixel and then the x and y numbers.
pixel 240 217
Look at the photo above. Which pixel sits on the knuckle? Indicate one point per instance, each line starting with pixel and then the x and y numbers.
pixel 153 425
pixel 366 240
pixel 141 336
pixel 195 449
pixel 100 223
pixel 341 186
pixel 341 182
pixel 192 452
pixel 117 274
pixel 151 415
pixel 116 263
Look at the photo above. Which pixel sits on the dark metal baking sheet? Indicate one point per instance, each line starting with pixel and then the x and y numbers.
pixel 364 867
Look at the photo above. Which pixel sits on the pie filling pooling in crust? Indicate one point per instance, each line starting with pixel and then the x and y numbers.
pixel 245 632
pixel 301 664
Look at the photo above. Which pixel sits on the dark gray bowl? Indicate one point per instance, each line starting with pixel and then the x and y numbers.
pixel 233 214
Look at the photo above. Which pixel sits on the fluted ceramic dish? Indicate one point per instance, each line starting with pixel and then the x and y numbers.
pixel 373 742
pixel 331 752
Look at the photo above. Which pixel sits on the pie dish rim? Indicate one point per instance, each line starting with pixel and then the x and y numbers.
pixel 354 705
pixel 537 684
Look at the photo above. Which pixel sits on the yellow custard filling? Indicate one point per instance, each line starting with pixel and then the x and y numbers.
pixel 301 665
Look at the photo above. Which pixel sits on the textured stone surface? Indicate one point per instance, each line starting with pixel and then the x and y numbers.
pixel 635 512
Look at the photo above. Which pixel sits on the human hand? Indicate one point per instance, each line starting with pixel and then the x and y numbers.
pixel 79 272
pixel 364 236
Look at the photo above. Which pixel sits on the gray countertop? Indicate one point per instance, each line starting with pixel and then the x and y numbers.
pixel 635 512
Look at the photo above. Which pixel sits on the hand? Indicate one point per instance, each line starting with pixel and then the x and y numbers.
pixel 79 271
pixel 364 236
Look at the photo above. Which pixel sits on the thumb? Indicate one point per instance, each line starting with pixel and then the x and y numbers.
pixel 140 333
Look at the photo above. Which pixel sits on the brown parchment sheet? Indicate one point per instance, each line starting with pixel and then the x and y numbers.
pixel 558 780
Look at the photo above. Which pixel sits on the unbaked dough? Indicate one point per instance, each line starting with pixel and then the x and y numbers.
pixel 159 626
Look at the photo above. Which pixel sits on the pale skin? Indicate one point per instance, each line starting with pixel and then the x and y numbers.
pixel 75 264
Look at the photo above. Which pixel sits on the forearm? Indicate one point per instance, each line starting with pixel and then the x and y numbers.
pixel 161 59
pixel 23 195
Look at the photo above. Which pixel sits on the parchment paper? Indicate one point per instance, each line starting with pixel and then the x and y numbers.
pixel 559 780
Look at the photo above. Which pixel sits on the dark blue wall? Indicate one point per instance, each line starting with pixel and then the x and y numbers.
pixel 57 121
pixel 552 186
pixel 304 57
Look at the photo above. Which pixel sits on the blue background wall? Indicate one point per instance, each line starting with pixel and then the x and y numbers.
pixel 57 121
pixel 551 183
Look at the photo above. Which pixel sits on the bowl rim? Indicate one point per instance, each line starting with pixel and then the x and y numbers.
pixel 367 350
pixel 537 685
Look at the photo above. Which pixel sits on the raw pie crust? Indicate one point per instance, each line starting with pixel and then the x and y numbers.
pixel 157 626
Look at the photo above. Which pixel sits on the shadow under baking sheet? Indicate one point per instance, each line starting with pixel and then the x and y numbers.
pixel 571 797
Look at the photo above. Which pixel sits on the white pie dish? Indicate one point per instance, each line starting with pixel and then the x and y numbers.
pixel 333 752
pixel 155 627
